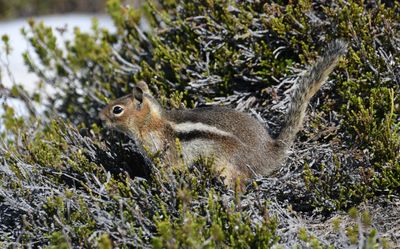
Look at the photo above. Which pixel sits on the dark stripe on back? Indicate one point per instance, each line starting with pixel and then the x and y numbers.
pixel 196 134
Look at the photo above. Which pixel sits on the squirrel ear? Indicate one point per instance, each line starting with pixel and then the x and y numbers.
pixel 137 93
pixel 143 86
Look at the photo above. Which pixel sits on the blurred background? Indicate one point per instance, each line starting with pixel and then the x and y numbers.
pixel 59 14
pixel 25 8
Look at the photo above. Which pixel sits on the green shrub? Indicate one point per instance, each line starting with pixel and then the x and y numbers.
pixel 96 187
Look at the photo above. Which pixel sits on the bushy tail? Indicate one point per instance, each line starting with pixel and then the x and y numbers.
pixel 308 85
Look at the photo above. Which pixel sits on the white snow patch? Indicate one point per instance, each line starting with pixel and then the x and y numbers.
pixel 19 44
pixel 19 72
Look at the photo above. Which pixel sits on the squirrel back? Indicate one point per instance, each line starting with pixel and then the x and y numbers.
pixel 240 144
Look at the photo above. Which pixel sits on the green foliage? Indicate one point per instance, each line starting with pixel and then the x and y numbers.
pixel 382 137
pixel 105 242
pixel 224 227
pixel 84 197
pixel 362 222
pixel 304 236
pixel 6 44
pixel 57 240
pixel 81 189
pixel 357 230
pixel 335 188
pixel 367 94
pixel 11 122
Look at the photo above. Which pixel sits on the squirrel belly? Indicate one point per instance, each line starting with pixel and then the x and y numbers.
pixel 240 144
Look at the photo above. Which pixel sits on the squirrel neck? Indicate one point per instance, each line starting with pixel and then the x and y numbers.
pixel 155 132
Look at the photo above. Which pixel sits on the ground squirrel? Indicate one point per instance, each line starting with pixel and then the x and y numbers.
pixel 240 145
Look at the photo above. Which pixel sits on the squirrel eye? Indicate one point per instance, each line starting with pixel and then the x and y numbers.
pixel 117 109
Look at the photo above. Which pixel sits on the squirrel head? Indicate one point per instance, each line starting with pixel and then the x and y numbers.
pixel 131 113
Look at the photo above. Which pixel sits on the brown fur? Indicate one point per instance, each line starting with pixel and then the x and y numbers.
pixel 240 144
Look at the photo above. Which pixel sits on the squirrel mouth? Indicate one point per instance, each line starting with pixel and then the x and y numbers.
pixel 109 124
pixel 102 116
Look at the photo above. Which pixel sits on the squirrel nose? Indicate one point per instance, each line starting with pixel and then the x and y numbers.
pixel 102 116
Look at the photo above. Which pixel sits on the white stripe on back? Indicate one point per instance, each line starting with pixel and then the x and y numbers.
pixel 190 126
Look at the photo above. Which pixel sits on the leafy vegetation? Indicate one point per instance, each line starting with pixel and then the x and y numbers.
pixel 65 182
